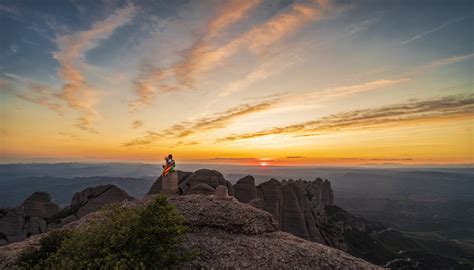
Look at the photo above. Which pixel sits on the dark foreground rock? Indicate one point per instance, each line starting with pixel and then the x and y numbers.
pixel 229 234
pixel 28 219
pixel 245 190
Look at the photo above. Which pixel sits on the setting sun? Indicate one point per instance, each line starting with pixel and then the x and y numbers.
pixel 263 163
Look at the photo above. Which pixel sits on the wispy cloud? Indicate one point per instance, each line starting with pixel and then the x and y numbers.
pixel 9 10
pixel 137 124
pixel 422 34
pixel 204 124
pixel 31 91
pixel 443 62
pixel 354 89
pixel 70 135
pixel 151 78
pixel 77 92
pixel 148 138
pixel 445 108
pixel 348 90
pixel 218 120
pixel 271 66
pixel 202 56
pixel 42 95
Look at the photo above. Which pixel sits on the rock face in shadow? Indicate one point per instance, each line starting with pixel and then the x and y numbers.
pixel 269 193
pixel 305 209
pixel 299 206
pixel 28 219
pixel 230 235
pixel 93 198
pixel 87 201
pixel 12 222
pixel 39 204
pixel 245 190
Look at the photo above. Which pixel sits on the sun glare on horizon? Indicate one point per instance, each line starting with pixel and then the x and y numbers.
pixel 263 163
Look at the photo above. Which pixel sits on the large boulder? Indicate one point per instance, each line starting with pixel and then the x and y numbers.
pixel 202 188
pixel 12 222
pixel 245 190
pixel 212 178
pixel 204 211
pixel 18 223
pixel 39 204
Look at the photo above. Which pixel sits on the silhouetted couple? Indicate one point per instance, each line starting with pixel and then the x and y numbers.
pixel 169 165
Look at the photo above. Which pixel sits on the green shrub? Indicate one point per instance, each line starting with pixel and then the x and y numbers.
pixel 124 238
pixel 47 246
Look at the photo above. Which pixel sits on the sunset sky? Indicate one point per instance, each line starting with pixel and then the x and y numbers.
pixel 242 82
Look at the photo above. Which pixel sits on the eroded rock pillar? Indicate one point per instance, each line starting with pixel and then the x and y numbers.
pixel 170 183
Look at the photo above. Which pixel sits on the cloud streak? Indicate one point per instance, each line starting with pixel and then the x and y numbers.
pixel 202 56
pixel 201 125
pixel 76 91
pixel 219 120
pixel 445 108
pixel 137 124
pixel 151 78
pixel 42 95
pixel 149 138
pixel 422 34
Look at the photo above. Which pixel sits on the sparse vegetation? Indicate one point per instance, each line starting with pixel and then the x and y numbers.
pixel 123 238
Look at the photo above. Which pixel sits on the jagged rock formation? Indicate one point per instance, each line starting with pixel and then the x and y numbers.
pixel 93 198
pixel 87 201
pixel 28 219
pixel 301 208
pixel 187 180
pixel 38 213
pixel 39 204
pixel 298 206
pixel 230 235
pixel 245 190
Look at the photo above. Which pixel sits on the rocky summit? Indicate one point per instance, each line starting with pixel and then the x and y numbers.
pixel 276 224
pixel 303 208
pixel 229 234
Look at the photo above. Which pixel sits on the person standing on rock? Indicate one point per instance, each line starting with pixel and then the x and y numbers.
pixel 169 165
